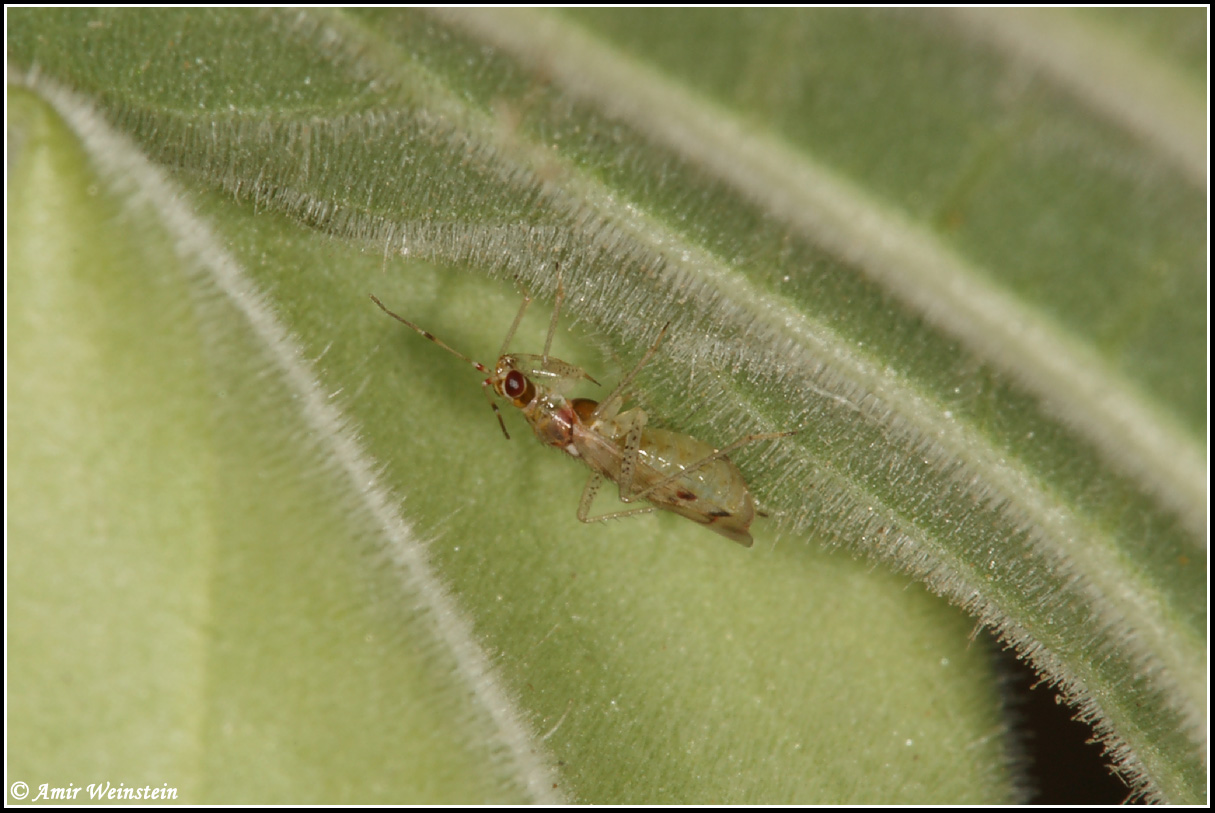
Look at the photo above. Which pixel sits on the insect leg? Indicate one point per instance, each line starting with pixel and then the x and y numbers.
pixel 612 402
pixel 635 420
pixel 588 497
pixel 510 334
pixel 488 389
pixel 704 461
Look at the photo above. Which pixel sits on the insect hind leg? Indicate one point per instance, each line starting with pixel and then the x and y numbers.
pixel 635 421
pixel 588 497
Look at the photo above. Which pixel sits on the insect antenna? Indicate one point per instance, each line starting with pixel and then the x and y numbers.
pixel 487 385
pixel 427 334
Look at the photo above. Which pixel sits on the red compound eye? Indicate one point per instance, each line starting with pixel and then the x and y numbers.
pixel 515 384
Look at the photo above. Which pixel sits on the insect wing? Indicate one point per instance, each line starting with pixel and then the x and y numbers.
pixel 714 495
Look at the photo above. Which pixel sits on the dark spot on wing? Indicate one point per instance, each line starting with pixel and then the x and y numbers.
pixel 719 513
pixel 685 495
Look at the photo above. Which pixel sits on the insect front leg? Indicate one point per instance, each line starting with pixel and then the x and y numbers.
pixel 588 497
pixel 510 334
pixel 487 387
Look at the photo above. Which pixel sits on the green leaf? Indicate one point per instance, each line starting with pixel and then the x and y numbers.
pixel 269 545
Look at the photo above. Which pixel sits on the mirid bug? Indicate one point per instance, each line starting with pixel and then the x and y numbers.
pixel 669 470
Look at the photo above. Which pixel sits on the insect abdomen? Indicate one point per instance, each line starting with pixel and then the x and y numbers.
pixel 714 495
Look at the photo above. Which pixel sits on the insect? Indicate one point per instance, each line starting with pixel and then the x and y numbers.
pixel 669 470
